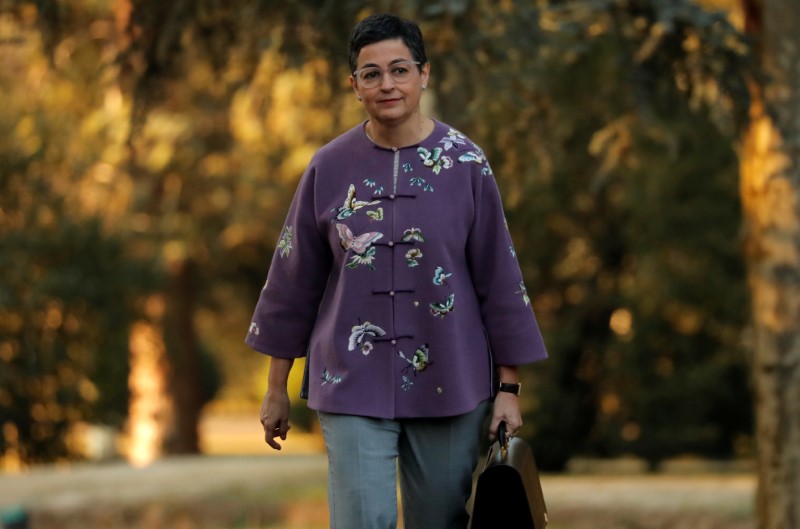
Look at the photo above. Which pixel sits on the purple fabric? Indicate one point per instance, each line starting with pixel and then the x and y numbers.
pixel 396 273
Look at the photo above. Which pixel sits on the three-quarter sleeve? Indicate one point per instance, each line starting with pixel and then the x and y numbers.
pixel 287 307
pixel 511 328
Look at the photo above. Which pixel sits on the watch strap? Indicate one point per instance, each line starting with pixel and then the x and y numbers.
pixel 510 388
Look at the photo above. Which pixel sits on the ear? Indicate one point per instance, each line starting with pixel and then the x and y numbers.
pixel 425 73
pixel 354 84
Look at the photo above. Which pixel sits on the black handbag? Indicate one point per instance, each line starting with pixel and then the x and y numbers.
pixel 507 491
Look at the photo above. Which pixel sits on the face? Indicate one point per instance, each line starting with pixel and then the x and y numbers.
pixel 390 102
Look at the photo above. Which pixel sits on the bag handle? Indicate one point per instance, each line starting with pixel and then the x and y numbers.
pixel 503 439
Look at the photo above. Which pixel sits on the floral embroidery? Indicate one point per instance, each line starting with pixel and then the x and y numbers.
pixel 420 182
pixel 369 182
pixel 443 308
pixel 285 244
pixel 419 361
pixel 253 328
pixel 364 259
pixel 328 378
pixel 375 215
pixel 487 170
pixel 512 250
pixel 524 291
pixel 407 383
pixel 351 205
pixel 413 234
pixel 360 335
pixel 439 276
pixel 407 168
pixel 434 159
pixel 412 255
pixel 453 139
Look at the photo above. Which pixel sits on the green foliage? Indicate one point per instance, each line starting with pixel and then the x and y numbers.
pixel 609 123
pixel 65 306
pixel 610 126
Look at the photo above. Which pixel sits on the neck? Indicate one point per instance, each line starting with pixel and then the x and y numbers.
pixel 410 132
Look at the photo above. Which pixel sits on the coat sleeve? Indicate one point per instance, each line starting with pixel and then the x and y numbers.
pixel 287 307
pixel 514 336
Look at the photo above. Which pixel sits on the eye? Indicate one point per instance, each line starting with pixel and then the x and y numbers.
pixel 400 70
pixel 370 74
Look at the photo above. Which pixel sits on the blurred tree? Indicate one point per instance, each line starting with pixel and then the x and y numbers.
pixel 613 143
pixel 185 126
pixel 67 280
pixel 770 170
pixel 227 108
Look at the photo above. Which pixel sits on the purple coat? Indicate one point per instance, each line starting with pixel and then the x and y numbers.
pixel 395 273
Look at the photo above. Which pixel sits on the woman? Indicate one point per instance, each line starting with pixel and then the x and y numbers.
pixel 395 274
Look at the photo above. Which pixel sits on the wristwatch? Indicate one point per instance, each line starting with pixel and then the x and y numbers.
pixel 510 388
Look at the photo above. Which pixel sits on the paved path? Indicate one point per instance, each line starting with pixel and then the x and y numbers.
pixel 183 477
pixel 173 478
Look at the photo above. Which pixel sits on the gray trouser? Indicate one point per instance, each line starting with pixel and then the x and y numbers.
pixel 436 458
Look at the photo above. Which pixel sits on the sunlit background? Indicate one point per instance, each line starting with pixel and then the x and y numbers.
pixel 149 150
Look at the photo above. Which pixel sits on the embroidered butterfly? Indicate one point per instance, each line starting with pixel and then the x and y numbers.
pixel 439 276
pixel 358 244
pixel 441 309
pixel 375 215
pixel 351 205
pixel 434 159
pixel 328 378
pixel 413 234
pixel 360 335
pixel 419 361
pixel 412 255
pixel 453 139
pixel 472 156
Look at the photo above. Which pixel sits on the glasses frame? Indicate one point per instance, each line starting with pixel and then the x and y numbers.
pixel 383 71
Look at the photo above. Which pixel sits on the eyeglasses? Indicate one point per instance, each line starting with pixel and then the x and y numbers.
pixel 372 76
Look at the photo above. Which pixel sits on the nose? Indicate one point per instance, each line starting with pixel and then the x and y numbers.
pixel 387 82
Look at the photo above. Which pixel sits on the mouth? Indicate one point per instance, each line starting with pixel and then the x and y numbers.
pixel 389 101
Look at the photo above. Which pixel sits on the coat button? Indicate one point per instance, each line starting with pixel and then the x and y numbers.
pixel 394 342
pixel 391 197
pixel 391 292
pixel 391 243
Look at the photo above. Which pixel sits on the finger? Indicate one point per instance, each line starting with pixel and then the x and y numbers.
pixel 513 428
pixel 269 437
pixel 493 427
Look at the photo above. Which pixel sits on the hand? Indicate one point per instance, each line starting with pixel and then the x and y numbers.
pixel 274 416
pixel 506 408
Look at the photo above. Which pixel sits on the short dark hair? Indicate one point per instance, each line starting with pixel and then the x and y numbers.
pixel 376 28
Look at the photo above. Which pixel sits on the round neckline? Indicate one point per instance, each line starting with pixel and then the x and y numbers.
pixel 436 125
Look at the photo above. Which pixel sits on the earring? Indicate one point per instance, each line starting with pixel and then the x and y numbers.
pixel 424 87
pixel 359 97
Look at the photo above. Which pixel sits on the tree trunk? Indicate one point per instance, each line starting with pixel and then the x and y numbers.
pixel 186 382
pixel 770 182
